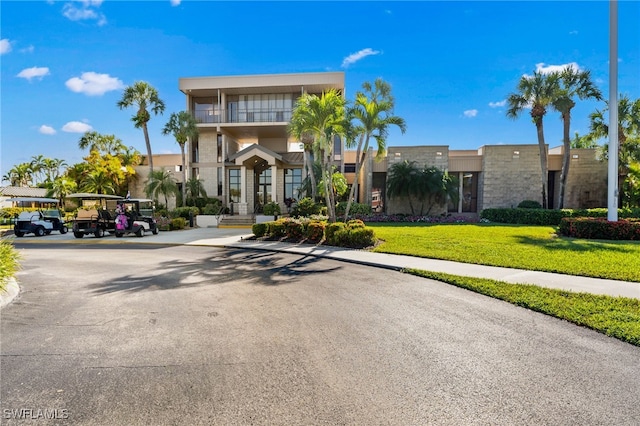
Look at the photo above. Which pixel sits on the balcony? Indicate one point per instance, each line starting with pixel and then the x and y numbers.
pixel 211 116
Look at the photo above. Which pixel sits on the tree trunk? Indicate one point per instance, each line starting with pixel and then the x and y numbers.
pixel 148 142
pixel 184 175
pixel 359 161
pixel 566 155
pixel 543 161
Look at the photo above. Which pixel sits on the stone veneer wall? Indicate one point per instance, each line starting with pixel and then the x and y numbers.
pixel 587 181
pixel 511 174
pixel 437 156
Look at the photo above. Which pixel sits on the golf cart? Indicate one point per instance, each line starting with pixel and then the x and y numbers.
pixel 141 209
pixel 46 218
pixel 127 221
pixel 96 214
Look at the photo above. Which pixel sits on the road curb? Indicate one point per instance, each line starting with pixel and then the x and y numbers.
pixel 11 290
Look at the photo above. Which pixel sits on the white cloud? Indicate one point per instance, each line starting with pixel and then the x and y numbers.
pixel 5 46
pixel 548 69
pixel 28 49
pixel 175 2
pixel 355 57
pixel 47 130
pixel 34 72
pixel 76 127
pixel 471 113
pixel 498 104
pixel 94 84
pixel 86 11
pixel 573 32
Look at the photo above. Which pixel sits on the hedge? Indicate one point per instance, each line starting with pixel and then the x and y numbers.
pixel 600 228
pixel 528 216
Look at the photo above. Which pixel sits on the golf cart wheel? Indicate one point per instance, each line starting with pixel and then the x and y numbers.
pixel 47 231
pixel 64 230
pixel 18 233
pixel 119 234
pixel 39 231
pixel 99 233
pixel 140 232
pixel 155 231
pixel 78 234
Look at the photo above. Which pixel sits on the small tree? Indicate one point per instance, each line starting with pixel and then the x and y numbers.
pixel 161 182
pixel 183 127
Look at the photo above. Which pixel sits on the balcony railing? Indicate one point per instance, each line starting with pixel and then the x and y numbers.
pixel 275 115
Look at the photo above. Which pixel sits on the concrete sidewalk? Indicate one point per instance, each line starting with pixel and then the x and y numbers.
pixel 239 238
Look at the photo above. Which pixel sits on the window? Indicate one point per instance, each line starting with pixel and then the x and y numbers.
pixel 349 167
pixel 219 148
pixel 235 187
pixel 195 157
pixel 219 172
pixel 292 183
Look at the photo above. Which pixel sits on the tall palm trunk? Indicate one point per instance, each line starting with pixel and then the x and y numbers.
pixel 566 155
pixel 184 174
pixel 360 156
pixel 148 143
pixel 537 112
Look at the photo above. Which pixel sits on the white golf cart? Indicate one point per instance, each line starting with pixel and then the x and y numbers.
pixel 46 217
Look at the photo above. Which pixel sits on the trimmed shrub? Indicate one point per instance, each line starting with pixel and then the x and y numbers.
pixel 271 209
pixel 314 231
pixel 527 216
pixel 529 204
pixel 356 209
pixel 183 212
pixel 276 228
pixel 306 207
pixel 260 229
pixel 330 232
pixel 600 228
pixel 178 223
pixel 293 229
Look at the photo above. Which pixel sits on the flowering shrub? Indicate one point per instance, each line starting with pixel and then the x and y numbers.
pixel 314 231
pixel 600 228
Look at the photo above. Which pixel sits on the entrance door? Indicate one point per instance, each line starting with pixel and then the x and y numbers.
pixel 263 188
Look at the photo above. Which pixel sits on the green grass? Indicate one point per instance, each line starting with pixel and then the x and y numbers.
pixel 617 317
pixel 536 248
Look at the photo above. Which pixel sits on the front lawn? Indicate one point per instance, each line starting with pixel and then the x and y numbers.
pixel 536 248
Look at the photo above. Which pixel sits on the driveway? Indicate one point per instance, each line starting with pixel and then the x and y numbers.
pixel 137 335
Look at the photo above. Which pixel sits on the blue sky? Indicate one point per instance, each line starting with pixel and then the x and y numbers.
pixel 451 64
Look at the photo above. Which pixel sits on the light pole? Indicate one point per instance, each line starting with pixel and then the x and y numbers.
pixel 613 190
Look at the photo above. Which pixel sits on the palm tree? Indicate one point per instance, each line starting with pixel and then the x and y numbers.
pixel 161 182
pixel 581 142
pixel 194 188
pixel 105 144
pixel 143 96
pixel 324 118
pixel 51 167
pixel 37 168
pixel 403 180
pixel 98 181
pixel 60 187
pixel 628 135
pixel 20 175
pixel 535 92
pixel 373 109
pixel 182 126
pixel 297 128
pixel 573 83
pixel 436 187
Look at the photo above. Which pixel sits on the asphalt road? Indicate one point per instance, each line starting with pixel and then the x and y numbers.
pixel 158 335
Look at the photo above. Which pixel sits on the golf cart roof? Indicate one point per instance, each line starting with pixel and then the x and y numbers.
pixel 141 200
pixel 95 196
pixel 32 200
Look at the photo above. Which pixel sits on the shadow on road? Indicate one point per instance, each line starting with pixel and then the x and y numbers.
pixel 226 266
